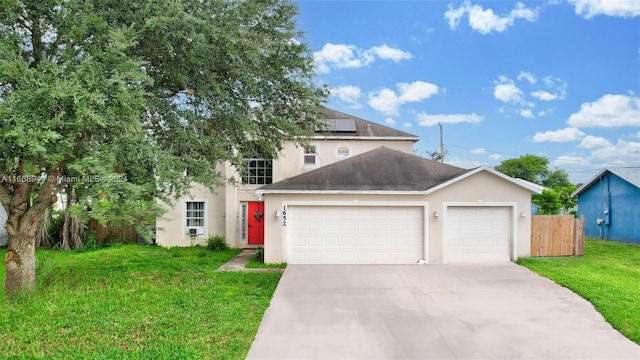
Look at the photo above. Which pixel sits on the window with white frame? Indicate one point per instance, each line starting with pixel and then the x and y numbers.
pixel 343 152
pixel 243 224
pixel 195 213
pixel 257 172
pixel 310 155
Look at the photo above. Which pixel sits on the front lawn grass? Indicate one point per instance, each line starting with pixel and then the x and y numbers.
pixel 608 276
pixel 255 263
pixel 136 302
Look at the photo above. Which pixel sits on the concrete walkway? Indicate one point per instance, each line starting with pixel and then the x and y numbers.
pixel 239 261
pixel 431 312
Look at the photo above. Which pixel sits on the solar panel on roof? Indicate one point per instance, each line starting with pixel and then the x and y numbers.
pixel 345 125
pixel 337 125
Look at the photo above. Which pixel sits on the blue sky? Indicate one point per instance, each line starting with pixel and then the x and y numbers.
pixel 559 79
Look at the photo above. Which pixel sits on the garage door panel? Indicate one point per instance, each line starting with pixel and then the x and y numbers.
pixel 356 234
pixel 478 234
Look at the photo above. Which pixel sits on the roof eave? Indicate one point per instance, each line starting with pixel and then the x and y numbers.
pixel 342 192
pixel 589 183
pixel 357 137
pixel 479 169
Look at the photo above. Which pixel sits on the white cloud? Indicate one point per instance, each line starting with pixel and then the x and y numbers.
pixel 479 151
pixel 385 52
pixel 608 111
pixel 340 56
pixel 390 121
pixel 562 135
pixel 506 91
pixel 407 125
pixel 530 77
pixel 453 16
pixel 546 112
pixel 343 56
pixel 416 91
pixel 526 113
pixel 486 21
pixel 622 150
pixel 387 101
pixel 348 94
pixel 544 95
pixel 570 159
pixel 621 8
pixel 425 119
pixel 590 142
pixel 495 156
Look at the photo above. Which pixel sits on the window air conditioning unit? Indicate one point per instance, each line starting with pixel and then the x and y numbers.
pixel 195 230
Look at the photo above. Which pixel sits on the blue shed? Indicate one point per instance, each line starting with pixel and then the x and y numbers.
pixel 610 203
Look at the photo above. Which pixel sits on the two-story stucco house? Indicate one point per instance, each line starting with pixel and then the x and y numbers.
pixel 357 194
pixel 230 210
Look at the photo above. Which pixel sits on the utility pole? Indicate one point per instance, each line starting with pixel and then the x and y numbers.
pixel 441 145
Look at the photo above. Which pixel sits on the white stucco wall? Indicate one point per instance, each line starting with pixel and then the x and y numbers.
pixel 171 227
pixel 481 189
pixel 223 207
pixel 292 160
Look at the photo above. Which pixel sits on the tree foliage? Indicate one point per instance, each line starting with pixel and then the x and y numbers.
pixel 117 98
pixel 436 155
pixel 527 167
pixel 535 169
pixel 548 202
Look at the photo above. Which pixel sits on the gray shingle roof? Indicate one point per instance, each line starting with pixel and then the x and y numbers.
pixel 364 128
pixel 381 169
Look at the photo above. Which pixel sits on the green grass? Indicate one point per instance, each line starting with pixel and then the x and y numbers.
pixel 136 302
pixel 255 263
pixel 608 276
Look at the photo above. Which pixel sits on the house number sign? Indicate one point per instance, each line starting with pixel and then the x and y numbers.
pixel 284 215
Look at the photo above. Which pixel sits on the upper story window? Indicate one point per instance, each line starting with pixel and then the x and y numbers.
pixel 257 168
pixel 310 155
pixel 343 151
pixel 257 171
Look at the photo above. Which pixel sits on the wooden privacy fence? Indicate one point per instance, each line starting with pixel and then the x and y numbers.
pixel 120 233
pixel 557 235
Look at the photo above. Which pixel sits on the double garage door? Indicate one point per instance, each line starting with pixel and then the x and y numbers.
pixel 354 235
pixel 394 234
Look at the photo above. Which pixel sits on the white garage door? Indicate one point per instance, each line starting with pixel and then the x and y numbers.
pixel 354 235
pixel 478 234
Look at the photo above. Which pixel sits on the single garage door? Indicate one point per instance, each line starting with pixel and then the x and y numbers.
pixel 478 234
pixel 354 235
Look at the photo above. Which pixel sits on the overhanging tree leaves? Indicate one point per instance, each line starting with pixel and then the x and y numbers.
pixel 527 167
pixel 535 169
pixel 117 98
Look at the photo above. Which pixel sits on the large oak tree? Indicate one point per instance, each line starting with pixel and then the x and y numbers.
pixel 115 99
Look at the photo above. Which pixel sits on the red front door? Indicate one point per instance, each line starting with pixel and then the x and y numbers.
pixel 255 215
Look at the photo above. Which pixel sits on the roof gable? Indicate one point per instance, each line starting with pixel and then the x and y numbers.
pixel 341 125
pixel 381 169
pixel 629 174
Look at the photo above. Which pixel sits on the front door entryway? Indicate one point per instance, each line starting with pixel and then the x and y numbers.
pixel 255 223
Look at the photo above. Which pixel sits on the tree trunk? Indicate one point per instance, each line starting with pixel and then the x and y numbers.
pixel 42 233
pixel 24 216
pixel 20 261
pixel 73 226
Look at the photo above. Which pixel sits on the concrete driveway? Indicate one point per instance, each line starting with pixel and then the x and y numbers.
pixel 431 312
